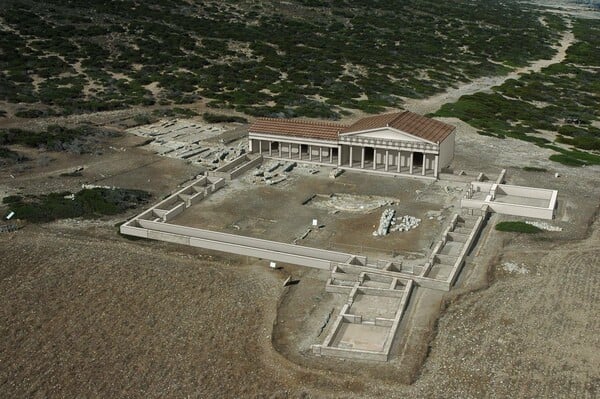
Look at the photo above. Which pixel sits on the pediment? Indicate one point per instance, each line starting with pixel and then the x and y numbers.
pixel 387 133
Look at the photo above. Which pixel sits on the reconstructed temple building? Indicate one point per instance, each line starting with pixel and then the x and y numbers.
pixel 402 143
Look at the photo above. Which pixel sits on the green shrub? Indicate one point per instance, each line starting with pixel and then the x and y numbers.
pixel 534 169
pixel 219 118
pixel 175 112
pixel 517 227
pixel 566 160
pixel 87 203
pixel 11 199
pixel 5 153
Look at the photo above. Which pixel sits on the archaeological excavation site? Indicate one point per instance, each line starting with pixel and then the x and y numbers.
pixel 300 199
pixel 369 204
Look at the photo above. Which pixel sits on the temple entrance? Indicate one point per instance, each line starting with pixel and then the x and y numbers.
pixel 417 159
pixel 303 150
pixel 369 153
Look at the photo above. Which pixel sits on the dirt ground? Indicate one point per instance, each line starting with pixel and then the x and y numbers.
pixel 88 313
pixel 276 212
pixel 117 162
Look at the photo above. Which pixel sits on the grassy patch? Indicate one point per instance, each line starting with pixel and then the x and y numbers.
pixel 566 160
pixel 517 227
pixel 87 203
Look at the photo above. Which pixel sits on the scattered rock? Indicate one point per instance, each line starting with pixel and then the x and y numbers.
pixel 543 225
pixel 288 167
pixel 515 268
pixel 335 173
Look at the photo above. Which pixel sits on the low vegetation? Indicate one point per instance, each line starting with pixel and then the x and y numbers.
pixel 54 138
pixel 534 169
pixel 563 98
pixel 8 155
pixel 218 118
pixel 87 203
pixel 176 112
pixel 517 227
pixel 93 55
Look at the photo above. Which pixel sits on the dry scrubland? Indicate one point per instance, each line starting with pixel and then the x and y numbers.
pixel 89 313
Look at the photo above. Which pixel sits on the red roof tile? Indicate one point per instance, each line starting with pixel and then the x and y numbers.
pixel 409 122
pixel 406 121
pixel 297 128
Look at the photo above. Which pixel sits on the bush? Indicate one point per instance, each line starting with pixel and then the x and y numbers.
pixel 534 169
pixel 5 153
pixel 219 118
pixel 174 112
pixel 11 199
pixel 566 160
pixel 87 203
pixel 517 227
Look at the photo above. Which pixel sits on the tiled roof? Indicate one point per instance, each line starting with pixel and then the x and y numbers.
pixel 409 122
pixel 297 128
pixel 406 121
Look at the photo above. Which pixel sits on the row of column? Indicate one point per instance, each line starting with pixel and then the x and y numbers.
pixel 323 153
pixel 393 160
pixel 429 161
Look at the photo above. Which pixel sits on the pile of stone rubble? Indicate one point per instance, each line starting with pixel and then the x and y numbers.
pixel 387 218
pixel 406 223
pixel 389 223
pixel 269 174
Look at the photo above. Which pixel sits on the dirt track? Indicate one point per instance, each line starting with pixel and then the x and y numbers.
pixel 433 103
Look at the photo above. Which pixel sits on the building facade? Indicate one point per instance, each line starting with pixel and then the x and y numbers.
pixel 400 143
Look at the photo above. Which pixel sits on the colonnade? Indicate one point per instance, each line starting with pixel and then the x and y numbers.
pixel 396 161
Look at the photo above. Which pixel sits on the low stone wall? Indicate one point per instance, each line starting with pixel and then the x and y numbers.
pixel 237 167
pixel 493 190
pixel 328 348
pixel 231 243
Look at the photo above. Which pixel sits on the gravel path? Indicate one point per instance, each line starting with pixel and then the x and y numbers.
pixel 433 103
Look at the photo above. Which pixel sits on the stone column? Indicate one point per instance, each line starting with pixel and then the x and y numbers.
pixel 410 163
pixel 374 158
pixel 436 161
pixel 350 157
pixel 399 160
pixel 260 146
pixel 330 155
pixel 279 148
pixel 424 164
pixel 362 157
pixel 339 155
pixel 387 160
pixel 270 148
pixel 320 154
